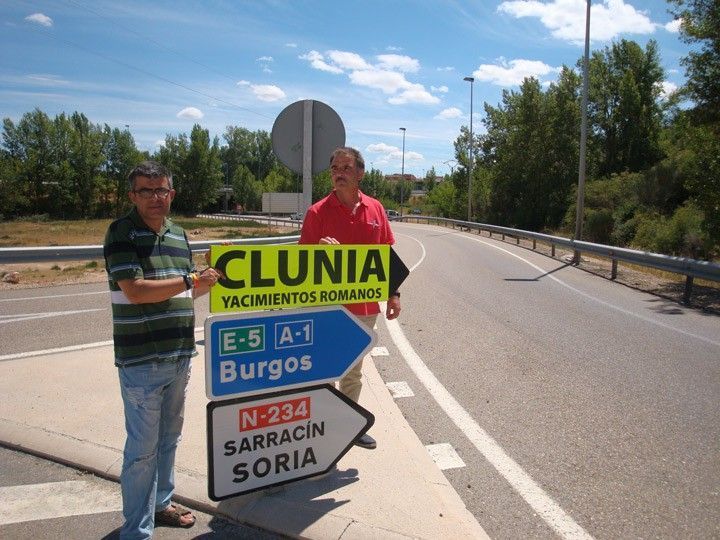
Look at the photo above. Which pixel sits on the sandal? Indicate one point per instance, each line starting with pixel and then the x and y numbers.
pixel 173 516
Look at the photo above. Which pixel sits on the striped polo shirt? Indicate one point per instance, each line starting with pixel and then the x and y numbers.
pixel 161 331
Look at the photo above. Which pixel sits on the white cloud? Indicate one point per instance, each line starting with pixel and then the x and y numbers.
pixel 566 18
pixel 446 114
pixel 415 94
pixel 160 142
pixel 39 18
pixel 444 89
pixel 512 73
pixel 264 92
pixel 190 113
pixel 291 45
pixel 267 92
pixel 386 153
pixel 667 89
pixel 389 82
pixel 673 26
pixel 348 60
pixel 393 48
pixel 265 59
pixel 446 68
pixel 398 62
pixel 46 79
pixel 317 61
pixel 382 148
pixel 388 75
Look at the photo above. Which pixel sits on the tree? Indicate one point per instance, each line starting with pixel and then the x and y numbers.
pixel 196 167
pixel 247 189
pixel 624 115
pixel 700 26
pixel 121 156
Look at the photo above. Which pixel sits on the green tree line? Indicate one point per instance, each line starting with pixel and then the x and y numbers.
pixel 67 167
pixel 653 162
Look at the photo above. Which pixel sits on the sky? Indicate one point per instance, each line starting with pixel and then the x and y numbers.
pixel 157 68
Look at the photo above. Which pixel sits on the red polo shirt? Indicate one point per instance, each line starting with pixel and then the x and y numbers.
pixel 367 225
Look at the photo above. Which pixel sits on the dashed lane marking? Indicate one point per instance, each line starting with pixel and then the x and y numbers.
pixel 400 389
pixel 445 456
pixel 34 502
pixel 4 319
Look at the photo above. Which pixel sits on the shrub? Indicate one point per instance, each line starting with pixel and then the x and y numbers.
pixel 598 225
pixel 682 234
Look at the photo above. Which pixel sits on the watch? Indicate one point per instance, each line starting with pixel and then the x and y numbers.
pixel 187 278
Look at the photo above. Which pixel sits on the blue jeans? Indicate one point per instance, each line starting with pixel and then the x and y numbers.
pixel 154 400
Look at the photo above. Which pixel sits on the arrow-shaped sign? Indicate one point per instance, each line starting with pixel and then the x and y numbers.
pixel 255 443
pixel 253 353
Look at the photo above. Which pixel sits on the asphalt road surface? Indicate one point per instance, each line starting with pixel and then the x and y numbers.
pixel 42 499
pixel 559 404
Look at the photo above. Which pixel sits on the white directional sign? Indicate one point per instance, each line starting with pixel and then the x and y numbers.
pixel 281 437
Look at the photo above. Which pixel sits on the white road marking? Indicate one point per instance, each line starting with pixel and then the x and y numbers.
pixel 445 456
pixel 400 389
pixel 56 500
pixel 69 348
pixel 561 522
pixel 4 319
pixel 52 296
pixel 593 298
pixel 379 351
pixel 533 494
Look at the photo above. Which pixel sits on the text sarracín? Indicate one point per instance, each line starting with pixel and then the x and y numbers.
pixel 270 439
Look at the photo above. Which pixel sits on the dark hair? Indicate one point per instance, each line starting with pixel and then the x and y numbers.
pixel 350 152
pixel 150 169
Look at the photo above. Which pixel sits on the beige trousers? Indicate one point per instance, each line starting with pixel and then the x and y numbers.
pixel 351 384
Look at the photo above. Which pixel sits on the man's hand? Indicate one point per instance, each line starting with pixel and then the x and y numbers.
pixel 393 308
pixel 329 240
pixel 206 279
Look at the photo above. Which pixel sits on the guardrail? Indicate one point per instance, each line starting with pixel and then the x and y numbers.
pixel 690 268
pixel 78 253
pixel 269 220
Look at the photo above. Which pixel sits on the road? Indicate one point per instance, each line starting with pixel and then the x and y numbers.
pixel 42 499
pixel 574 406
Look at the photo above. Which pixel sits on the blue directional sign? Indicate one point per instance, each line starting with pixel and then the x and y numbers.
pixel 253 353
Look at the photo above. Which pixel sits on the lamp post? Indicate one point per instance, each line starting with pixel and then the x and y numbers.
pixel 471 80
pixel 579 207
pixel 402 171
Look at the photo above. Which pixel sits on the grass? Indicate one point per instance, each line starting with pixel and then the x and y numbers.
pixel 44 232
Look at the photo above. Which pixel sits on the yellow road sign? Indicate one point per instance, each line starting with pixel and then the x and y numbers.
pixel 272 277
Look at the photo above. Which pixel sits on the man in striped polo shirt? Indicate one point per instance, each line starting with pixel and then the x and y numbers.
pixel 152 282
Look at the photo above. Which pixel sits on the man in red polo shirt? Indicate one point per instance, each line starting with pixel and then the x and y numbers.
pixel 348 216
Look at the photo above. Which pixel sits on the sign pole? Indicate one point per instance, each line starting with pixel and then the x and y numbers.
pixel 307 153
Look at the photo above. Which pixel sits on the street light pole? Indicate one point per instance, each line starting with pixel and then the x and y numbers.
pixel 402 171
pixel 471 80
pixel 579 207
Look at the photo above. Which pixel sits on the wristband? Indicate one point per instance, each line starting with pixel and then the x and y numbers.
pixel 195 279
pixel 188 282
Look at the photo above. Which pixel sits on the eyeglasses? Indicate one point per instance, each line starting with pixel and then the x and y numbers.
pixel 147 193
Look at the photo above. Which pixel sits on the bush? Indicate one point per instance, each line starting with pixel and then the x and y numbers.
pixel 682 234
pixel 598 226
